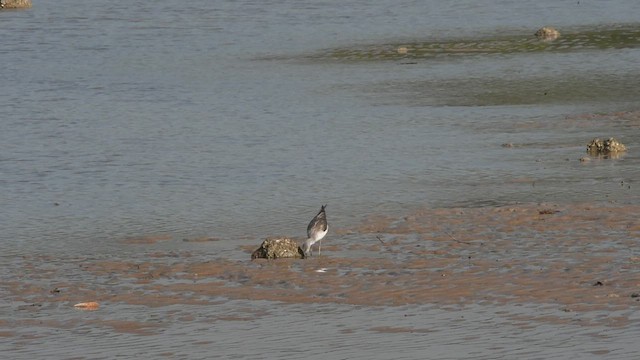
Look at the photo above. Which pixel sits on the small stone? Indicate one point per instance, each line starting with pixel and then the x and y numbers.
pixel 90 306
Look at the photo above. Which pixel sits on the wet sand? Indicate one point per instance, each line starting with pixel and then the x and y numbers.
pixel 572 270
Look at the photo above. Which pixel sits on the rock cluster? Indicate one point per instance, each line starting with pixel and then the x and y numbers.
pixel 605 147
pixel 15 4
pixel 547 33
pixel 274 248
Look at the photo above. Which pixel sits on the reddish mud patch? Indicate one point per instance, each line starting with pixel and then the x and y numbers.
pixel 390 329
pixel 132 327
pixel 203 239
pixel 150 239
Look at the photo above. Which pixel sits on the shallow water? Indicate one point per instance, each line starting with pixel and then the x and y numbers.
pixel 128 128
pixel 235 119
pixel 341 331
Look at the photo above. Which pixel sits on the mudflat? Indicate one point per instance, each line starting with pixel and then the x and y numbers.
pixel 566 265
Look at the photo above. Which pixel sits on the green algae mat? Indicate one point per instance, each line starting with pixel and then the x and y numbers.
pixel 618 37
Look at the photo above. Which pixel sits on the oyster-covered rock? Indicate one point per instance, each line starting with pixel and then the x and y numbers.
pixel 547 33
pixel 605 147
pixel 15 4
pixel 281 247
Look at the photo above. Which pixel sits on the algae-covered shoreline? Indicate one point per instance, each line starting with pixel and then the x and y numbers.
pixel 550 75
pixel 620 36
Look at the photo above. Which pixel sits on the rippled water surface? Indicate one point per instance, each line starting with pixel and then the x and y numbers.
pixel 240 119
pixel 132 122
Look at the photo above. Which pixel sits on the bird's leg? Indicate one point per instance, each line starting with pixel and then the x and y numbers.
pixel 319 247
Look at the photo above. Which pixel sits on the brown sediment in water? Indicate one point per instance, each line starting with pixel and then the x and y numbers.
pixel 202 239
pixel 149 239
pixel 390 329
pixel 132 327
pixel 575 257
pixel 627 116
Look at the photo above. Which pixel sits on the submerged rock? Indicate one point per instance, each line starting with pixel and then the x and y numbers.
pixel 274 248
pixel 15 4
pixel 547 33
pixel 605 147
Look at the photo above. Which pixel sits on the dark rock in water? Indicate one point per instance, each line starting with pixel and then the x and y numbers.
pixel 547 33
pixel 274 248
pixel 15 4
pixel 605 147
